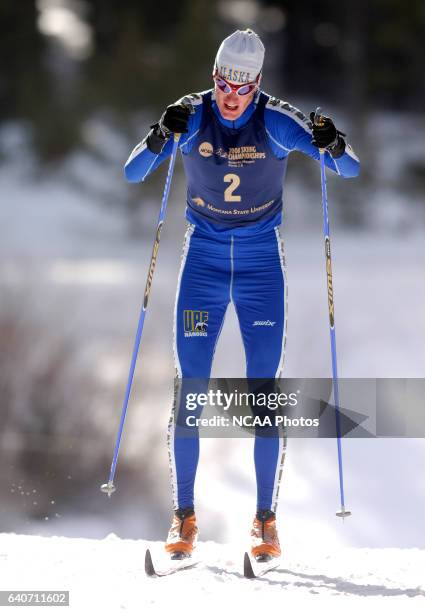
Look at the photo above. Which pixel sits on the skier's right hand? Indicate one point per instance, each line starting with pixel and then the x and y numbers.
pixel 175 119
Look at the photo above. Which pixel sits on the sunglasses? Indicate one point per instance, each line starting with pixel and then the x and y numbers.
pixel 241 90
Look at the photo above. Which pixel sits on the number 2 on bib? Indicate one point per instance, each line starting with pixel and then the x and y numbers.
pixel 234 181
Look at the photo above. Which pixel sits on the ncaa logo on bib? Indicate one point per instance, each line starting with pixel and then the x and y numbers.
pixel 205 149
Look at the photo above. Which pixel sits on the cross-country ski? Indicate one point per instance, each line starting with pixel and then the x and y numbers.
pixel 170 567
pixel 256 569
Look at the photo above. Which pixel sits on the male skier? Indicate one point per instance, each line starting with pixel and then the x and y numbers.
pixel 235 143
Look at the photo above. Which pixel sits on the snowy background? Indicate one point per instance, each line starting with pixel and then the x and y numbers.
pixel 75 244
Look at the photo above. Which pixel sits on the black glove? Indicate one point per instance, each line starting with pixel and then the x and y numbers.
pixel 326 136
pixel 174 119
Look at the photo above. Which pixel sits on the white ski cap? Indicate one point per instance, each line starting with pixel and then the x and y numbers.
pixel 240 57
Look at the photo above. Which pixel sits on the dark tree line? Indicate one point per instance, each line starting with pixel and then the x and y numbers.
pixel 372 49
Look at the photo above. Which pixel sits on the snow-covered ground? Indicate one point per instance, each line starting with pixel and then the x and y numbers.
pixel 108 575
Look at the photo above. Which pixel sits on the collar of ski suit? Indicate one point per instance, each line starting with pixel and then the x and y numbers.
pixel 240 121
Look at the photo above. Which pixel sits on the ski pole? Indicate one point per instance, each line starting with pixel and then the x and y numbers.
pixel 326 232
pixel 109 487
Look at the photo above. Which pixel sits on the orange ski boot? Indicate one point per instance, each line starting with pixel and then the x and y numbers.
pixel 264 538
pixel 183 534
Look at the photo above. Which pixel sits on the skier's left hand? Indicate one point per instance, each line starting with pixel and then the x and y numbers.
pixel 326 136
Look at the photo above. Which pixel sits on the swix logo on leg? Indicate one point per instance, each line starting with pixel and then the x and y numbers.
pixel 264 323
pixel 195 323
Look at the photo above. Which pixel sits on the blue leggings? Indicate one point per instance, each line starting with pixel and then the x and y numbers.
pixel 247 269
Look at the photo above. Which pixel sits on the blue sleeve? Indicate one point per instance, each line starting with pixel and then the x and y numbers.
pixel 289 130
pixel 142 162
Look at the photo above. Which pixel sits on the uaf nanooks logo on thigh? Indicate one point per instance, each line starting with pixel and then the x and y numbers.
pixel 195 323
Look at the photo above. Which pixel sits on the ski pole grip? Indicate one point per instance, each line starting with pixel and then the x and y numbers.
pixel 318 120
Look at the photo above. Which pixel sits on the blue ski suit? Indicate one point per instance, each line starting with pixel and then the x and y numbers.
pixel 233 252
